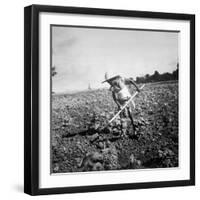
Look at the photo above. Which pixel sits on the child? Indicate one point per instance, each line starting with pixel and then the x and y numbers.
pixel 121 94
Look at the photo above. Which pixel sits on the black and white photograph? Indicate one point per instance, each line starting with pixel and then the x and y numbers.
pixel 114 99
pixel 109 99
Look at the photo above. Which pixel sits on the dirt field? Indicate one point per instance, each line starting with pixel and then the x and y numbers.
pixel 79 141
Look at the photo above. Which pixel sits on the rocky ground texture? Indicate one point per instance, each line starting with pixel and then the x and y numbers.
pixel 80 142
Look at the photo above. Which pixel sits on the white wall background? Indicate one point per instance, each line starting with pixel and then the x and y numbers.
pixel 11 100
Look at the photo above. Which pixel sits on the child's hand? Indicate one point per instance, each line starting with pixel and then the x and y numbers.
pixel 119 107
pixel 138 89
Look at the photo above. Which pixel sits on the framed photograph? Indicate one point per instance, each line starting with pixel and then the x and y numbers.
pixel 109 99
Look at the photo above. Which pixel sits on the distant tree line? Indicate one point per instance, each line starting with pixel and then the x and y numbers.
pixel 53 71
pixel 157 77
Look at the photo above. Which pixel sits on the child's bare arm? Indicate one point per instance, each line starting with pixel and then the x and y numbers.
pixel 115 100
pixel 130 81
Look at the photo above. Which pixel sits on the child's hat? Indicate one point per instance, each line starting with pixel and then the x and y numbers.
pixel 110 79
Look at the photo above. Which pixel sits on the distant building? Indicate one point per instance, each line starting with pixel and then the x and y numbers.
pixel 89 87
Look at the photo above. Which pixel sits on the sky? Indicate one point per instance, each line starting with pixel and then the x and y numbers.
pixel 83 55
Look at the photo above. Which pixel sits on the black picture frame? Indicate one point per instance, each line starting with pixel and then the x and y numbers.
pixel 31 98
